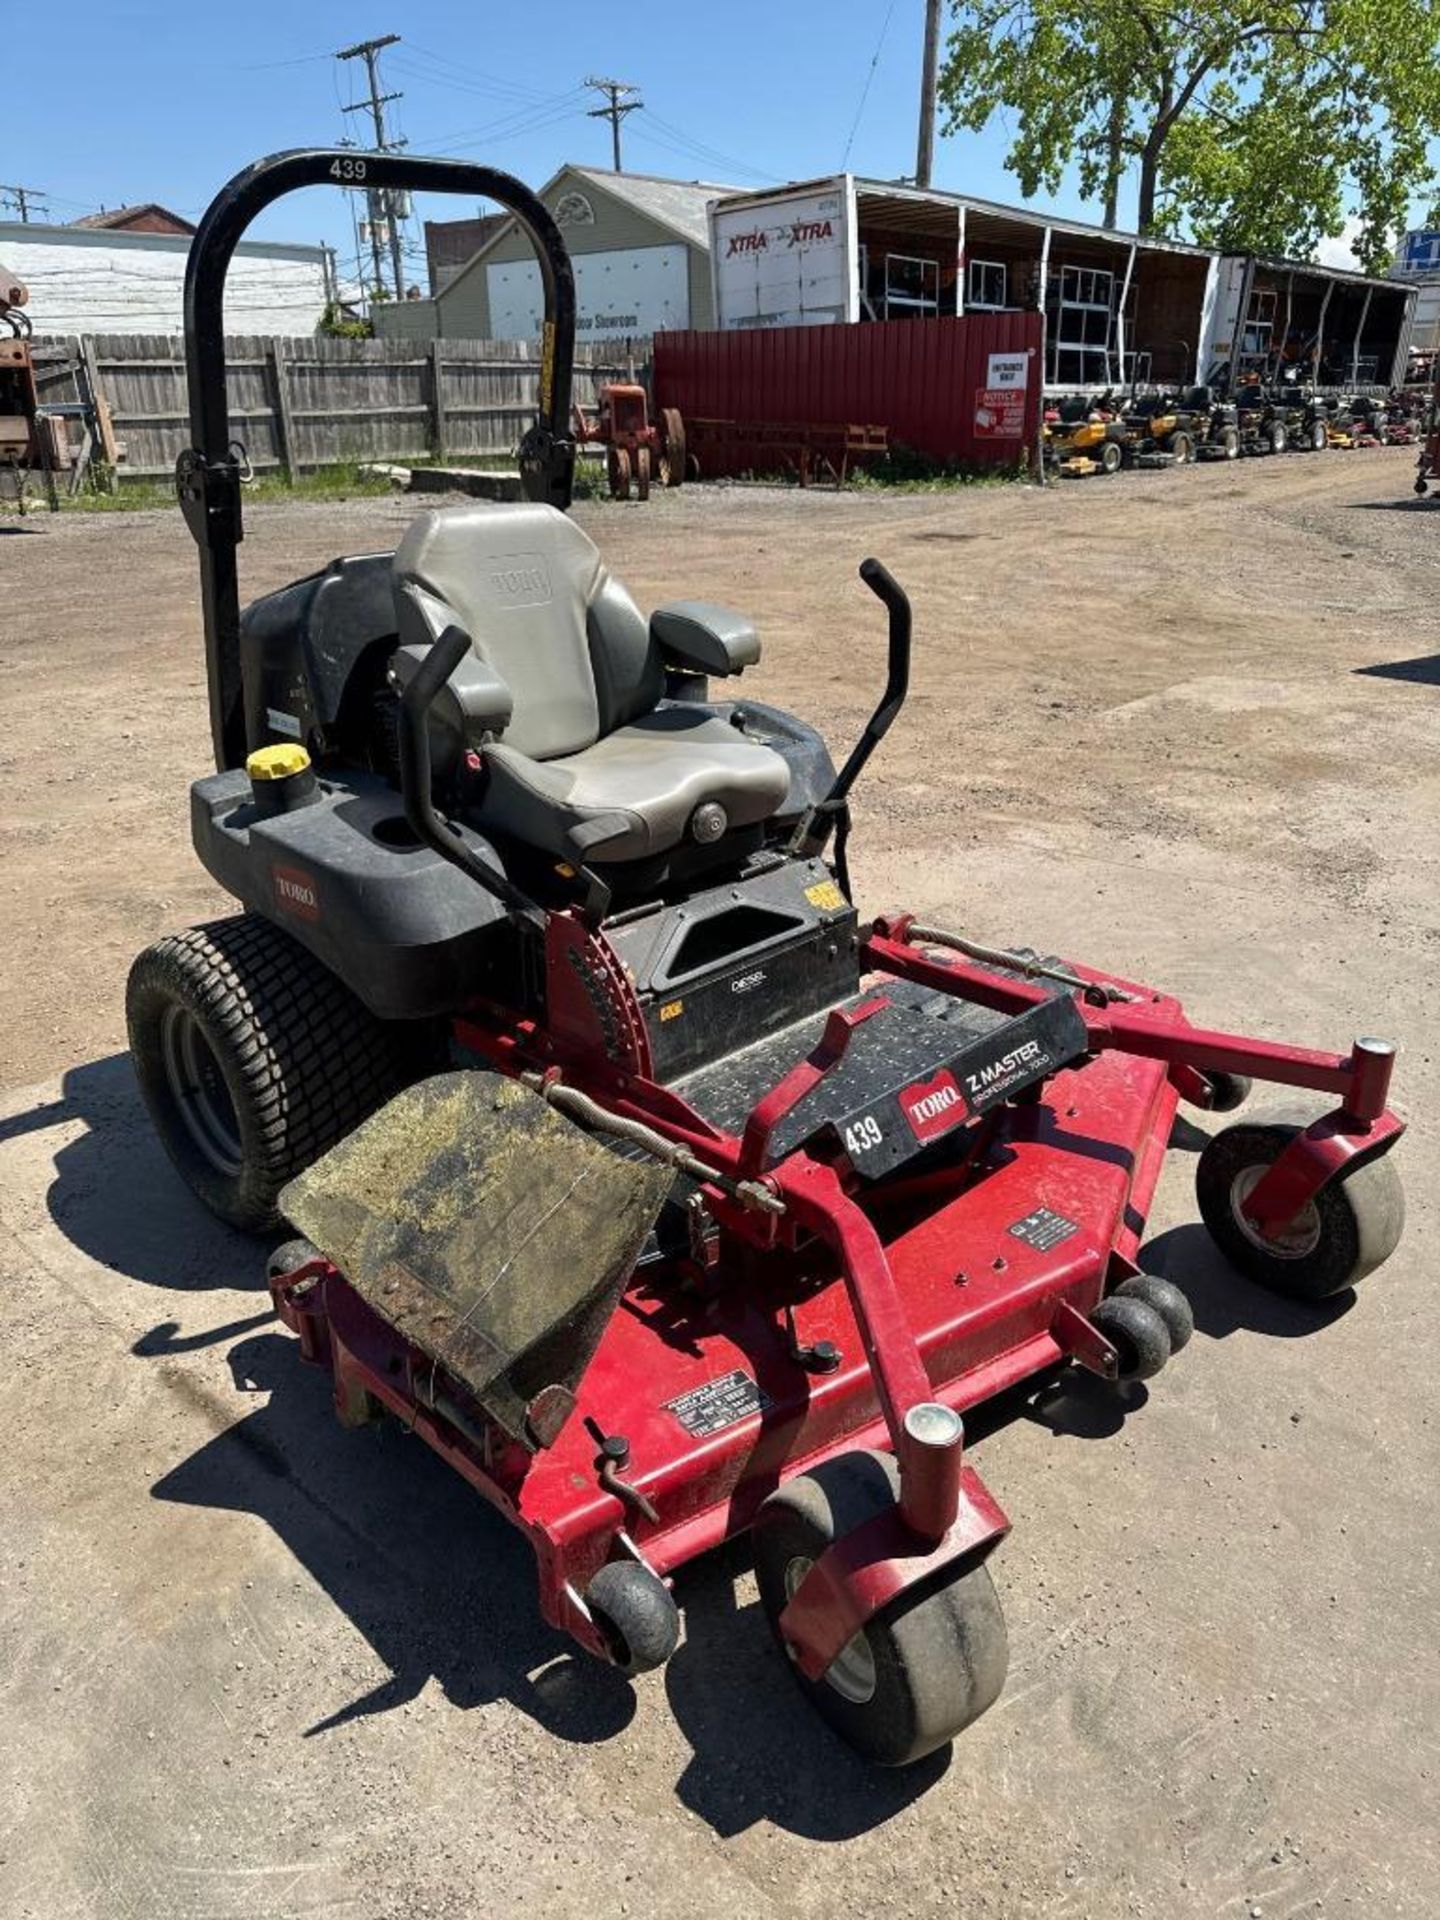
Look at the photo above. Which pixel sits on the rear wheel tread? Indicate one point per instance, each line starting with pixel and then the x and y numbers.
pixel 304 1062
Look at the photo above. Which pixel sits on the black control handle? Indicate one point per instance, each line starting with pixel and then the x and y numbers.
pixel 416 776
pixel 831 813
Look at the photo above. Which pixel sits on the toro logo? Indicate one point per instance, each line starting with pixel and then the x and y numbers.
pixel 295 893
pixel 933 1106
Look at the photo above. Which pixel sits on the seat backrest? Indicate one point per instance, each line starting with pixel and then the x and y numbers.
pixel 541 608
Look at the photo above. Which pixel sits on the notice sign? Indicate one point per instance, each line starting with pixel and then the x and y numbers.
pixel 1010 370
pixel 999 413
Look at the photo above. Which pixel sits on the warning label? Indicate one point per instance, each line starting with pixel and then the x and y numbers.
pixel 1043 1229
pixel 999 413
pixel 718 1404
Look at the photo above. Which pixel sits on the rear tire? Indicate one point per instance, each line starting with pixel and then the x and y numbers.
pixel 1229 443
pixel 1279 439
pixel 1319 436
pixel 1182 448
pixel 1112 456
pixel 922 1669
pixel 254 1060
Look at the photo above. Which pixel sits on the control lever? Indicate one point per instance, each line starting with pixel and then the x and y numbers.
pixel 415 773
pixel 832 814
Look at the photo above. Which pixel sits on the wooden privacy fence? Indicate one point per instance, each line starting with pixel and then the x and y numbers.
pixel 305 403
pixel 965 389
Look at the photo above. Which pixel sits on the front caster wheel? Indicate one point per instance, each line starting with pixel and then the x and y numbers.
pixel 1353 1223
pixel 635 1613
pixel 922 1669
pixel 1138 1333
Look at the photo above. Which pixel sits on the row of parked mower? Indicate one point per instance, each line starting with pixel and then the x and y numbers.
pixel 1101 433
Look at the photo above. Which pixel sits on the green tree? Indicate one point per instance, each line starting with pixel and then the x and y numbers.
pixel 1249 126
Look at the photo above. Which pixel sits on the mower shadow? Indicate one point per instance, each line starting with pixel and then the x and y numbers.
pixel 117 1199
pixel 1423 671
pixel 441 1588
pixel 1222 1301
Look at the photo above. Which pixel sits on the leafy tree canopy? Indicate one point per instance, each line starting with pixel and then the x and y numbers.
pixel 1249 126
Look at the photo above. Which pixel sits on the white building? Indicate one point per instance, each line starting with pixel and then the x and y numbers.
pixel 94 280
pixel 1417 263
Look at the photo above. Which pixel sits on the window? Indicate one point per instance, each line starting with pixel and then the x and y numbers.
pixel 1080 302
pixel 912 287
pixel 985 284
pixel 1258 337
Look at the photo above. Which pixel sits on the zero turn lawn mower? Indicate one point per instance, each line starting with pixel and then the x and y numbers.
pixel 1086 435
pixel 663 1196
pixel 1261 421
pixel 1169 430
pixel 1365 423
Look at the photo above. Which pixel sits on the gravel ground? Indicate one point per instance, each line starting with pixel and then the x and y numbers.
pixel 1185 724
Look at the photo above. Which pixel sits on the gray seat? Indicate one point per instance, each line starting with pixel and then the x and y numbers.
pixel 563 691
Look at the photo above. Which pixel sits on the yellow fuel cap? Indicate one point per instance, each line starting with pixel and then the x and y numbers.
pixel 279 762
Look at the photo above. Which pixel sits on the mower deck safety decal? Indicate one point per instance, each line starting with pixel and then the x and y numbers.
pixel 718 1404
pixel 1043 1229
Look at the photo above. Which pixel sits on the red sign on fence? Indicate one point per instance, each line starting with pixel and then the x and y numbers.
pixel 999 413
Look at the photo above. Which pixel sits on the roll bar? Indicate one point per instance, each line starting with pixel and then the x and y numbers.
pixel 207 474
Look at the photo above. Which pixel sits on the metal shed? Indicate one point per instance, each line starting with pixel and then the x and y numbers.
pixel 640 245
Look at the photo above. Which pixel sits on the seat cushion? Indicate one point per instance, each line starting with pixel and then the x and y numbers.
pixel 651 775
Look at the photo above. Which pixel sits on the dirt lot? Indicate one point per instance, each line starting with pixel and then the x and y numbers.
pixel 1186 723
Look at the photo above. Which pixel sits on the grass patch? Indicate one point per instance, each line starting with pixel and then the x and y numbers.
pixel 343 481
pixel 903 470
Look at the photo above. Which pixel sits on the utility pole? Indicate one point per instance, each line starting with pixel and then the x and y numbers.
pixel 616 92
pixel 380 201
pixel 925 149
pixel 21 197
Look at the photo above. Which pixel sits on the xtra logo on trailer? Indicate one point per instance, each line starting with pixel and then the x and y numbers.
pixel 800 233
pixel 933 1106
pixel 295 893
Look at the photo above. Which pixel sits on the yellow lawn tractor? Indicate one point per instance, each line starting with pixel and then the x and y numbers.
pixel 1084 436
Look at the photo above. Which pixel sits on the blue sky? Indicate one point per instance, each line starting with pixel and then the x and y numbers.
pixel 167 104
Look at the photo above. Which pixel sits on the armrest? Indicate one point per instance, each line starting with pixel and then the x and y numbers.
pixel 705 638
pixel 474 700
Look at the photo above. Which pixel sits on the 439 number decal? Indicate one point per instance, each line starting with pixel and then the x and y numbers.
pixel 862 1136
pixel 343 169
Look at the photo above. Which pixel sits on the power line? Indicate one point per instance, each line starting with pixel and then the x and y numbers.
pixel 619 104
pixel 677 138
pixel 381 201
pixel 21 198
pixel 865 90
